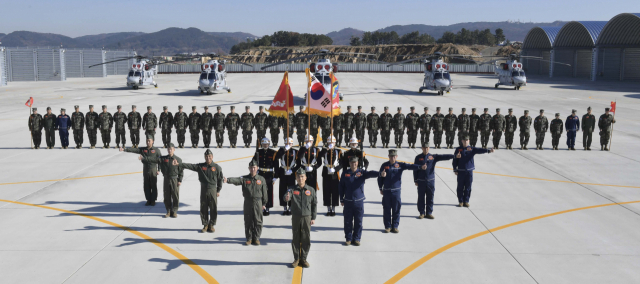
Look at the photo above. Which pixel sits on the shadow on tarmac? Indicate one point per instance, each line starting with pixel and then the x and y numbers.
pixel 175 263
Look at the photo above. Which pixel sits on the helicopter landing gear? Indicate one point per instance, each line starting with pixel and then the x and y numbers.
pixel 135 87
pixel 440 93
pixel 496 86
pixel 229 90
pixel 156 85
pixel 516 88
pixel 420 91
pixel 201 91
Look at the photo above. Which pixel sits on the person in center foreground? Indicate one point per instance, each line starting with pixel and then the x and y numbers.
pixel 351 191
pixel 254 191
pixel 211 178
pixel 425 180
pixel 303 214
pixel 463 166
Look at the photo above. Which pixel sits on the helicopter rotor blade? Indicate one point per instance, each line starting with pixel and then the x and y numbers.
pixel 288 60
pixel 549 61
pixel 409 60
pixel 236 61
pixel 123 59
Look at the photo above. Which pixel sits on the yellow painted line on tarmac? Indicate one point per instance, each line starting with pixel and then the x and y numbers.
pixel 101 176
pixel 178 255
pixel 433 254
pixel 297 275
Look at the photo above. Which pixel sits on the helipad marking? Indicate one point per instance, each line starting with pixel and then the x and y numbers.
pixel 122 174
pixel 178 255
pixel 433 254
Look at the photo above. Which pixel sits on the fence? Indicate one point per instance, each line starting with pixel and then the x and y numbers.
pixel 354 67
pixel 3 67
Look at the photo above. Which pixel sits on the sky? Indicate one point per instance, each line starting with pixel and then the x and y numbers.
pixel 77 18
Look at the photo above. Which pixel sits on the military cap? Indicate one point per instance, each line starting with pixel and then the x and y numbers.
pixel 104 106
pixel 393 152
pixel 302 107
pixel 206 107
pixel 426 108
pixel 133 106
pixel 542 110
pixel 589 108
pixel 526 111
pixel 247 107
pixel 473 109
pixel 607 109
pixel 353 159
pixel 194 107
pixel 437 108
pixel 90 106
pixel 557 114
pixel 359 107
pixel 412 108
pixel 574 111
pixel 76 106
pixel 348 107
pixel 232 107
pixel 450 108
pixel 119 107
pixel 165 108
pixel 180 107
pixel 464 109
pixel 48 108
pixel 486 109
pixel 208 152
pixel 253 163
pixel 219 108
pixel 63 109
pixel 148 107
pixel 373 108
pixel 465 137
pixel 510 110
pixel 171 145
pixel 261 107
pixel 34 109
pixel 399 108
pixel 498 109
pixel 386 108
pixel 301 172
pixel 150 137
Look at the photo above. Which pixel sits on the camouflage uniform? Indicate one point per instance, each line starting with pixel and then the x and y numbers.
pixel 337 128
pixel 399 127
pixel 540 125
pixel 302 124
pixel 105 123
pixel 437 126
pixel 218 125
pixel 149 123
pixel 605 124
pixel 360 124
pixel 36 124
pixel 206 124
pixel 425 127
pixel 510 128
pixel 412 127
pixel 50 121
pixel 181 122
pixel 588 125
pixel 525 124
pixel 77 124
pixel 464 123
pixel 325 124
pixel 261 125
pixel 484 125
pixel 134 121
pixel 372 127
pixel 232 123
pixel 348 125
pixel 450 126
pixel 194 127
pixel 246 123
pixel 474 127
pixel 166 123
pixel 556 127
pixel 385 123
pixel 498 124
pixel 91 122
pixel 274 128
pixel 120 121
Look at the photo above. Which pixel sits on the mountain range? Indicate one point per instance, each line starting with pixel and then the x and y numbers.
pixel 176 40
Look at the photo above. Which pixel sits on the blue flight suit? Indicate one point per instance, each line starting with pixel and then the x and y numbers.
pixel 464 167
pixel 571 125
pixel 64 124
pixel 425 179
pixel 351 192
pixel 391 186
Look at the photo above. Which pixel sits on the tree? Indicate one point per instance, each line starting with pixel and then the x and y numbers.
pixel 447 37
pixel 500 35
pixel 355 41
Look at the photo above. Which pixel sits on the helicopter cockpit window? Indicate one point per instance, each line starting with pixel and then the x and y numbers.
pixel 130 73
pixel 212 76
pixel 203 76
pixel 323 79
pixel 441 75
pixel 517 73
pixel 137 74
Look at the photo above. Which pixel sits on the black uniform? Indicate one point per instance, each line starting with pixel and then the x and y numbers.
pixel 91 122
pixel 348 126
pixel 77 124
pixel 425 128
pixel 149 124
pixel 337 128
pixel 105 123
pixel 267 167
pixel 437 126
pixel 287 161
pixel 246 123
pixel 232 123
pixel 261 125
pixel 385 123
pixel 412 120
pixel 372 127
pixel 274 129
pixel 36 124
pixel 134 120
pixel 362 159
pixel 206 124
pixel 50 122
pixel 301 122
pixel 309 158
pixel 398 128
pixel 120 121
pixel 360 124
pixel 181 122
pixel 194 128
pixel 218 126
pixel 330 158
pixel 166 123
pixel 556 127
pixel 450 126
pixel 588 125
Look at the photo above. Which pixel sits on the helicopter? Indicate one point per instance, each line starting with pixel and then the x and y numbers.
pixel 213 77
pixel 142 72
pixel 511 73
pixel 436 74
pixel 323 67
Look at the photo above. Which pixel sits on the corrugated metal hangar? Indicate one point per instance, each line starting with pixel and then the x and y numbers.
pixel 596 50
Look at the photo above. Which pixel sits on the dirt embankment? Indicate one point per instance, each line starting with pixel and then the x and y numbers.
pixel 508 50
pixel 386 53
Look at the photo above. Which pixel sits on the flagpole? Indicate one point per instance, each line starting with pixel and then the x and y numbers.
pixel 30 113
pixel 309 114
pixel 614 119
pixel 286 107
pixel 331 117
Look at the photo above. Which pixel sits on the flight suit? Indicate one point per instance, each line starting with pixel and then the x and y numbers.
pixel 437 126
pixel 525 124
pixel 337 128
pixel 425 180
pixel 498 124
pixel 425 128
pixel 91 122
pixel 464 167
pixel 254 191
pixel 261 125
pixel 348 126
pixel 351 192
pixel 105 123
pixel 206 124
pixel 134 121
pixel 172 176
pixel 588 125
pixel 36 124
pixel 194 129
pixel 540 125
pixel 149 124
pixel 510 129
pixel 267 168
pixel 391 188
pixel 287 160
pixel 605 124
pixel 77 124
pixel 474 121
pixel 166 123
pixel 218 127
pixel 360 124
pixel 464 125
pixel 412 128
pixel 149 170
pixel 398 128
pixel 50 125
pixel 556 128
pixel 246 123
pixel 181 122
pixel 274 129
pixel 301 122
pixel 63 123
pixel 330 159
pixel 450 125
pixel 303 210
pixel 385 123
pixel 309 158
pixel 484 126
pixel 232 123
pixel 120 122
pixel 211 178
pixel 372 127
pixel 325 124
pixel 572 124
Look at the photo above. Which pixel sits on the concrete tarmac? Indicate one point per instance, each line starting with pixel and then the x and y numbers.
pixel 78 216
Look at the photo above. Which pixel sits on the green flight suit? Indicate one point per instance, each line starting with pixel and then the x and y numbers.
pixel 254 191
pixel 303 209
pixel 210 177
pixel 172 176
pixel 149 170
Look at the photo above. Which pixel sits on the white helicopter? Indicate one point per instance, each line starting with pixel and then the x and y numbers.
pixel 511 73
pixel 142 72
pixel 436 74
pixel 323 67
pixel 214 74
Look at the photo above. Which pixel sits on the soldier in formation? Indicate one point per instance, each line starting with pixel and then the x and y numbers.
pixel 150 123
pixel 206 124
pixel 484 126
pixel 36 124
pixel 260 124
pixel 91 121
pixel 525 125
pixel 77 124
pixel 474 122
pixel 232 124
pixel 540 125
pixel 556 127
pixel 498 124
pixel 588 125
pixel 194 127
pixel 450 126
pixel 303 215
pixel 166 124
pixel 425 127
pixel 134 121
pixel 313 127
pixel 325 124
pixel 437 125
pixel 246 123
pixel 349 125
pixel 372 127
pixel 572 124
pixel 49 121
pixel 105 124
pixel 330 157
pixel 219 122
pixel 399 127
pixel 413 126
pixel 386 124
pixel 511 124
pixel 267 168
pixel 605 124
pixel 254 191
pixel 274 129
pixel 63 124
pixel 464 125
pixel 120 123
pixel 181 123
pixel 301 123
pixel 337 128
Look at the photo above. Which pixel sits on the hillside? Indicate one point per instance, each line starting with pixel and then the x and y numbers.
pixel 343 36
pixel 2 35
pixel 387 53
pixel 237 35
pixel 24 38
pixel 100 40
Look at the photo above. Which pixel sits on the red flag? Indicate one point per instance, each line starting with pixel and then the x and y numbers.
pixel 29 102
pixel 613 107
pixel 278 106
